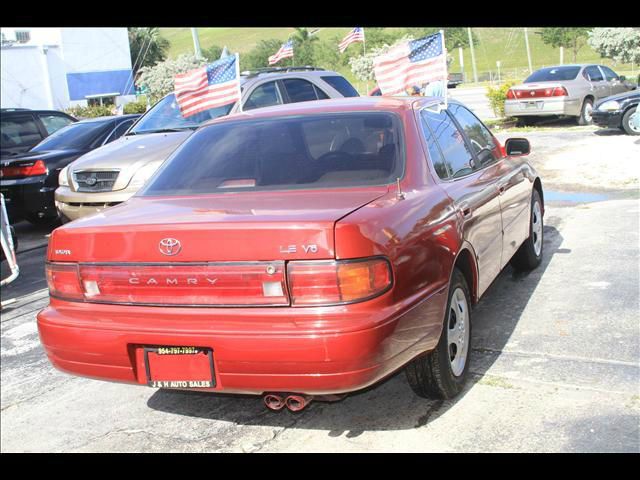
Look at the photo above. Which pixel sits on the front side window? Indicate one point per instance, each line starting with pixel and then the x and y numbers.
pixel 119 131
pixel 19 132
pixel 53 123
pixel 592 73
pixel 264 95
pixel 315 151
pixel 609 74
pixel 482 142
pixel 166 115
pixel 299 90
pixel 457 156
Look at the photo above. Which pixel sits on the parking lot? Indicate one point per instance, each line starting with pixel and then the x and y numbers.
pixel 554 357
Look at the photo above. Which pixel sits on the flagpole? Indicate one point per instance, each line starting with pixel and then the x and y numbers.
pixel 238 77
pixel 364 53
pixel 445 81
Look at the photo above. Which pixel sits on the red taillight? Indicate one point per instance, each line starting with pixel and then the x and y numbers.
pixel 510 95
pixel 330 282
pixel 29 169
pixel 64 281
pixel 560 92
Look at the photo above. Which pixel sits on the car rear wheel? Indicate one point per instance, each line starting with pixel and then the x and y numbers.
pixel 442 373
pixel 585 117
pixel 629 123
pixel 529 255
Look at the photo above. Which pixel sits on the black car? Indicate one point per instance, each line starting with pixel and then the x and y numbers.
pixel 617 112
pixel 28 181
pixel 21 128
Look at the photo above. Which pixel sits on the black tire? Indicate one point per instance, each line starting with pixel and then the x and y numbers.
pixel 431 376
pixel 526 258
pixel 582 119
pixel 626 122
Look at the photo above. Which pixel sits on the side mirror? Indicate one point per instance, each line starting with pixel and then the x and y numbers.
pixel 622 78
pixel 516 147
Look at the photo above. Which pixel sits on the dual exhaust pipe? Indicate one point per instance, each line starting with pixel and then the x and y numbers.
pixel 295 402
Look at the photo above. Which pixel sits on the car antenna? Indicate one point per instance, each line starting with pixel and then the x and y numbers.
pixel 399 195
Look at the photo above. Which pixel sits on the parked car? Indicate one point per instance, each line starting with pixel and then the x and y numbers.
pixel 28 181
pixel 117 172
pixel 303 250
pixel 21 128
pixel 619 111
pixel 567 90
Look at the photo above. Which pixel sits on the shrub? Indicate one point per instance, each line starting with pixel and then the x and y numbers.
pixel 497 96
pixel 159 79
pixel 139 106
pixel 91 111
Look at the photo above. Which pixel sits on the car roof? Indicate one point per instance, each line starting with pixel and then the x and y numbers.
pixel 6 111
pixel 284 72
pixel 333 105
pixel 109 118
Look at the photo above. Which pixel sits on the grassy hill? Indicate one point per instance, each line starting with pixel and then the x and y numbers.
pixel 506 45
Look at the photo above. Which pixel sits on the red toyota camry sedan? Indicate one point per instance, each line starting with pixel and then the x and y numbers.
pixel 299 252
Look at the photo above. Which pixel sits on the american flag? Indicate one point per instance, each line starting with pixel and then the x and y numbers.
pixel 286 51
pixel 413 63
pixel 355 35
pixel 208 87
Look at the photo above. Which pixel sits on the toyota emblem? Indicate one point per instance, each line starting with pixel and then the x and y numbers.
pixel 91 181
pixel 170 246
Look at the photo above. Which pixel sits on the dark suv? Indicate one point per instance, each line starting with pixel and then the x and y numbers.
pixel 21 128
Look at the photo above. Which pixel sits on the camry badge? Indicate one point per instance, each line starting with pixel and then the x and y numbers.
pixel 169 246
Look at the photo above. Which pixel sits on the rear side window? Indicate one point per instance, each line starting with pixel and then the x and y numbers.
pixel 19 132
pixel 342 85
pixel 264 95
pixel 457 156
pixel 482 142
pixel 300 90
pixel 553 74
pixel 319 151
pixel 593 74
pixel 53 123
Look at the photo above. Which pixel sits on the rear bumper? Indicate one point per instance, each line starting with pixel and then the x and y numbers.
pixel 74 205
pixel 318 351
pixel 542 107
pixel 28 196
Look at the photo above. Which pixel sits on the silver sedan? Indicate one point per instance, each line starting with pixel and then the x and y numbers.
pixel 566 90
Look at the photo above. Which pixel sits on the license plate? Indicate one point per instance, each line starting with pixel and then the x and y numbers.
pixel 534 105
pixel 179 367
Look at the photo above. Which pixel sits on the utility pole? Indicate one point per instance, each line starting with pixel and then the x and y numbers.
pixel 196 43
pixel 473 57
pixel 462 64
pixel 561 55
pixel 526 41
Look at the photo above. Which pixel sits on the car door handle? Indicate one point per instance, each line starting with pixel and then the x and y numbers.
pixel 501 187
pixel 464 209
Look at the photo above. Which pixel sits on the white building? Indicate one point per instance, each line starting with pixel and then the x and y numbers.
pixel 55 68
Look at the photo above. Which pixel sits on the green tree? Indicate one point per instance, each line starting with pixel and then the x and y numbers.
pixel 258 56
pixel 303 43
pixel 619 44
pixel 454 37
pixel 327 55
pixel 212 53
pixel 573 38
pixel 160 79
pixel 147 47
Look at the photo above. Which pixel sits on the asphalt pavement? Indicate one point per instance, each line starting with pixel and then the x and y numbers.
pixel 555 363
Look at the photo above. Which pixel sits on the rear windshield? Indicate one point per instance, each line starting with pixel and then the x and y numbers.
pixel 319 151
pixel 553 74
pixel 76 135
pixel 166 115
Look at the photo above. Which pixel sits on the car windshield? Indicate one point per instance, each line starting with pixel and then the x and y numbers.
pixel 553 74
pixel 166 115
pixel 296 152
pixel 76 135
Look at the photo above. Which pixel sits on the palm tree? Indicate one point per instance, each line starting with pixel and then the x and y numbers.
pixel 303 41
pixel 147 47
